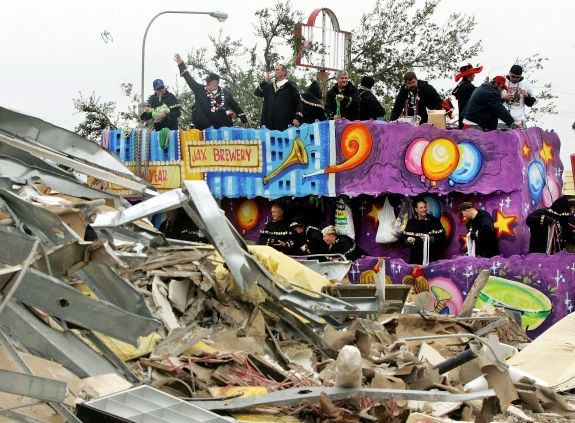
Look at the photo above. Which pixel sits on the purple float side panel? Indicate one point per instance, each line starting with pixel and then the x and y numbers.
pixel 540 287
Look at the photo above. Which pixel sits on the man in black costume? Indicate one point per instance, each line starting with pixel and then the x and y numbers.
pixel 163 107
pixel 369 105
pixel 342 100
pixel 276 233
pixel 340 244
pixel 462 92
pixel 311 108
pixel 215 105
pixel 414 98
pixel 554 219
pixel 307 239
pixel 481 230
pixel 418 228
pixel 178 225
pixel 281 101
pixel 485 107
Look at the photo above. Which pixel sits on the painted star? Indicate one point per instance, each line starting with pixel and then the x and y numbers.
pixel 503 224
pixel 546 152
pixel 526 150
pixel 373 213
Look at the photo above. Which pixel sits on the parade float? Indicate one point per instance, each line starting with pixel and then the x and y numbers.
pixel 373 166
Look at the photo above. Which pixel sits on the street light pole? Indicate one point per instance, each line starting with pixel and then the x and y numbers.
pixel 220 16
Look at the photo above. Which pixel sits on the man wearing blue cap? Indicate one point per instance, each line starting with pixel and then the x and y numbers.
pixel 163 107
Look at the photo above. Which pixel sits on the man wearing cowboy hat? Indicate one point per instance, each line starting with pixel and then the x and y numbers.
pixel 215 105
pixel 462 92
pixel 485 106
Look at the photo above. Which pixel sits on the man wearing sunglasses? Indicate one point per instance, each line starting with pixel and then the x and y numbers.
pixel 519 94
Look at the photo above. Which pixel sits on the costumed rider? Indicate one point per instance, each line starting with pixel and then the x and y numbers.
pixel 369 105
pixel 462 92
pixel 311 108
pixel 215 106
pixel 414 98
pixel 342 100
pixel 550 228
pixel 281 100
pixel 340 244
pixel 163 107
pixel 424 235
pixel 306 239
pixel 276 233
pixel 485 107
pixel 519 94
pixel 178 225
pixel 481 236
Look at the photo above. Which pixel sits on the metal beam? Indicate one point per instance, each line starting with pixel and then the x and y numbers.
pixel 11 351
pixel 16 280
pixel 22 167
pixel 32 386
pixel 79 166
pixel 63 347
pixel 312 394
pixel 60 139
pixel 67 303
pixel 45 225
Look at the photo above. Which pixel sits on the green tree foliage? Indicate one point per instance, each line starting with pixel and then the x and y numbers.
pixel 98 115
pixel 398 35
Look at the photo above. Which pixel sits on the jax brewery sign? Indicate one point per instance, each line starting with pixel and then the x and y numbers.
pixel 222 156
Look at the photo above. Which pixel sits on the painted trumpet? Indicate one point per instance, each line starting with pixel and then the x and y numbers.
pixel 297 155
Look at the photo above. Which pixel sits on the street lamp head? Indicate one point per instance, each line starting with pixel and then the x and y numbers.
pixel 220 16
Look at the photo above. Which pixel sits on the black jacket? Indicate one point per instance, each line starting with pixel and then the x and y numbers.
pixel 311 107
pixel 182 227
pixel 540 220
pixel 281 105
pixel 349 107
pixel 483 232
pixel 485 107
pixel 171 119
pixel 430 226
pixel 369 105
pixel 346 246
pixel 462 93
pixel 203 117
pixel 428 98
pixel 312 238
pixel 274 232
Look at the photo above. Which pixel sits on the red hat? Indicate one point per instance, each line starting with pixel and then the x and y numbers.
pixel 467 70
pixel 501 81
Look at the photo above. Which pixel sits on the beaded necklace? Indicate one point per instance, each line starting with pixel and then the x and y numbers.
pixel 217 99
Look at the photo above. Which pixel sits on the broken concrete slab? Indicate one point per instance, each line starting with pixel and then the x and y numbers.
pixel 549 357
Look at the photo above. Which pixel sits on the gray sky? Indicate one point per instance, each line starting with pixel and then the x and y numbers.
pixel 52 50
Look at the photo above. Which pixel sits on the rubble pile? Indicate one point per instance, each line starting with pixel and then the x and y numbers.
pixel 130 308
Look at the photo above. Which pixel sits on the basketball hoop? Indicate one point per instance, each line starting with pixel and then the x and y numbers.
pixel 322 47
